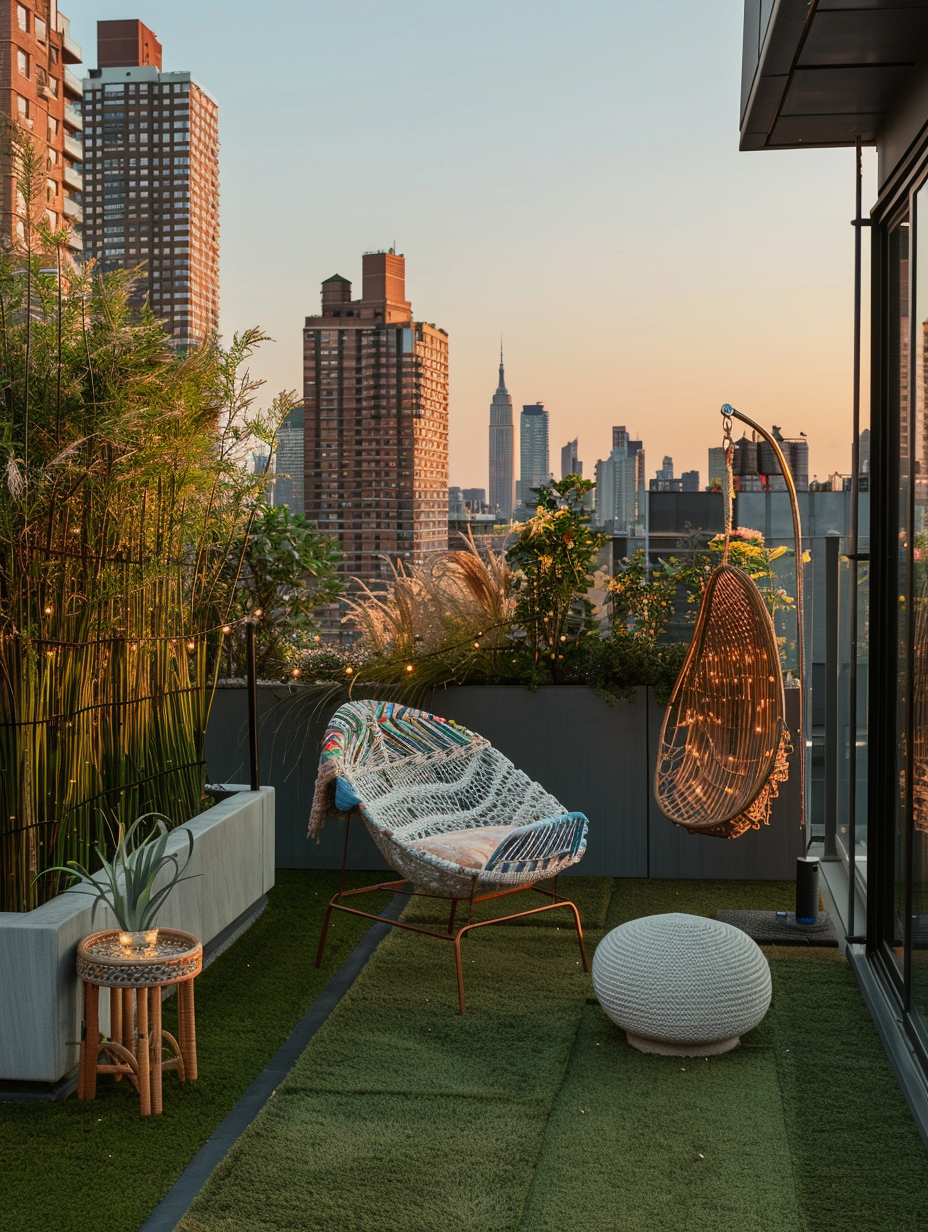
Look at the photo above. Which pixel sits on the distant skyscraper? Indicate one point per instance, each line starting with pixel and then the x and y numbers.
pixel 151 179
pixel 534 469
pixel 716 464
pixel 635 449
pixel 375 387
pixel 456 510
pixel 501 453
pixel 690 481
pixel 570 463
pixel 288 463
pixel 664 480
pixel 474 496
pixel 618 494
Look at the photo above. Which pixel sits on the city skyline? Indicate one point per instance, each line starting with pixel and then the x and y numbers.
pixel 663 278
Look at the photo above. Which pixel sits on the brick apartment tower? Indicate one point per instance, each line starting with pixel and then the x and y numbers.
pixel 151 179
pixel 40 92
pixel 376 422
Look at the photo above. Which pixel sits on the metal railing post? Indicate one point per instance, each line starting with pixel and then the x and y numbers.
pixel 252 681
pixel 832 670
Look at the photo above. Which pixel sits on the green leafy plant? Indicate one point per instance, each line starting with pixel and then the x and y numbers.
pixel 749 552
pixel 289 570
pixel 644 596
pixel 126 883
pixel 554 558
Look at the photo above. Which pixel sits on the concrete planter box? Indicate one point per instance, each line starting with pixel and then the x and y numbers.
pixel 40 1006
pixel 597 759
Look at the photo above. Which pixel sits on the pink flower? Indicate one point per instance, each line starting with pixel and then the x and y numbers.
pixel 744 533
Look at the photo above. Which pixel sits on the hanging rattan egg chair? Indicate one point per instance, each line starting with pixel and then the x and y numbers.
pixel 724 743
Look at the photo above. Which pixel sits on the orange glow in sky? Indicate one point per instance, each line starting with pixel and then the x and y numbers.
pixel 566 176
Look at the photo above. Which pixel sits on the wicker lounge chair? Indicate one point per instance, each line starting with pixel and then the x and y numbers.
pixel 449 812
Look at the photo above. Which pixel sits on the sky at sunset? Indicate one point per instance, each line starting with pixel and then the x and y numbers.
pixel 566 176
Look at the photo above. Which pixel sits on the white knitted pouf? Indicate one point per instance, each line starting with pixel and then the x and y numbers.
pixel 681 984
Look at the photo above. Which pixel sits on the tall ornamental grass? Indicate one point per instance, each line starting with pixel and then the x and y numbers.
pixel 123 507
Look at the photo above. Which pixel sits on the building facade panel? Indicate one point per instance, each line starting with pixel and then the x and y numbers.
pixel 43 98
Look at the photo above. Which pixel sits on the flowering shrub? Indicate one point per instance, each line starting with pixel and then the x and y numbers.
pixel 554 559
pixel 749 552
pixel 644 598
pixel 526 617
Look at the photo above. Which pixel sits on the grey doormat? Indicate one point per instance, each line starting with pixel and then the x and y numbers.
pixel 781 928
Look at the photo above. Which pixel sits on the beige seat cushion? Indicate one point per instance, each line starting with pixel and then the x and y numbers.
pixel 469 848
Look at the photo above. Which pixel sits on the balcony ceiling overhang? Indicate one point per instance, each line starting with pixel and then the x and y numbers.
pixel 825 72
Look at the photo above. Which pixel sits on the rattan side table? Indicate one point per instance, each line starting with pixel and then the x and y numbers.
pixel 135 1048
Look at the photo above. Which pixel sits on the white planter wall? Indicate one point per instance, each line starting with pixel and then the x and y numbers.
pixel 39 991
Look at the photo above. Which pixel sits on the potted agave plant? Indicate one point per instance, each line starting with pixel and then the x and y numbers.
pixel 127 882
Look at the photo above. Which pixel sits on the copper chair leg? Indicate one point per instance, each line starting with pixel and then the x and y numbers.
pixel 586 965
pixel 325 929
pixel 460 968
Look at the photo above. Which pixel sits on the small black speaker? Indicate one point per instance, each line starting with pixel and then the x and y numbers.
pixel 807 890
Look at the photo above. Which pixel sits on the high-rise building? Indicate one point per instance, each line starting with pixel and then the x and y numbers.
pixel 288 462
pixel 663 480
pixel 457 510
pixel 618 493
pixel 621 439
pixel 570 463
pixel 501 450
pixel 42 96
pixel 690 481
pixel 716 464
pixel 534 468
pixel 151 179
pixel 375 406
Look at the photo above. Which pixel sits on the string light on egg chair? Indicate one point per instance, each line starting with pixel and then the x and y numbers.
pixel 724 743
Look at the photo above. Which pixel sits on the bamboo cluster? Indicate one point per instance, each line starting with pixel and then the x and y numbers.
pixel 124 508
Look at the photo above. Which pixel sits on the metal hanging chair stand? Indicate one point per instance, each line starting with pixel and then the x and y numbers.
pixel 724 743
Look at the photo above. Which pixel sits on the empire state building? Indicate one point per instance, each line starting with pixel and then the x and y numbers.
pixel 501 448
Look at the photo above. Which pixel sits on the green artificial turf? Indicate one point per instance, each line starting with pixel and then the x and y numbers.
pixel 532 1113
pixel 90 1167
